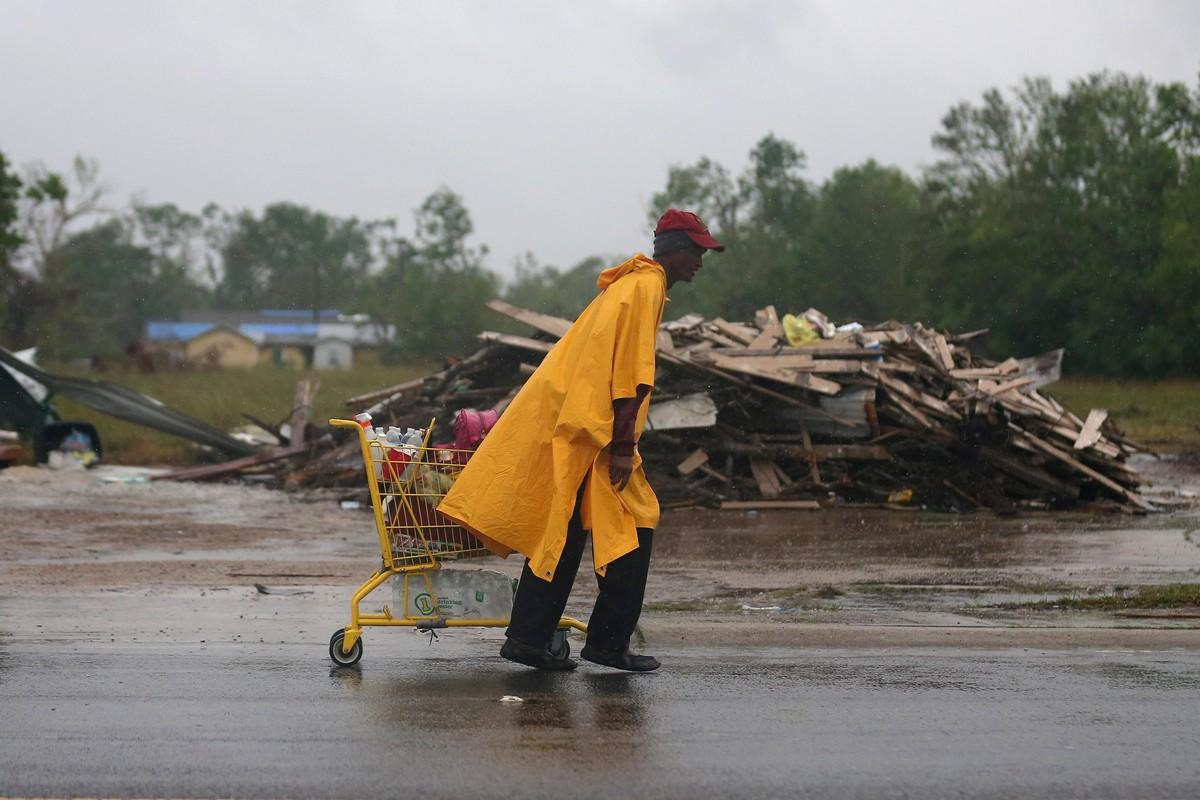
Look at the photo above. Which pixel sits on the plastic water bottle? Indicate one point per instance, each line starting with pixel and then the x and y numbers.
pixel 375 449
pixel 397 457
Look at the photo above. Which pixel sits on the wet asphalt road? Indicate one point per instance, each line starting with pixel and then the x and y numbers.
pixel 275 721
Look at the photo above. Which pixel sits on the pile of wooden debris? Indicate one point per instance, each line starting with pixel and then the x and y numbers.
pixel 799 413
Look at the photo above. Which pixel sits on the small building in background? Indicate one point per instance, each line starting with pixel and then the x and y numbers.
pixel 332 352
pixel 222 346
pixel 284 337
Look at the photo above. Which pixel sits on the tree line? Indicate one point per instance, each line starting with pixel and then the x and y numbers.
pixel 1053 218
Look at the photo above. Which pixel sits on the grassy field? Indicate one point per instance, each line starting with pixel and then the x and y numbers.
pixel 220 398
pixel 1163 415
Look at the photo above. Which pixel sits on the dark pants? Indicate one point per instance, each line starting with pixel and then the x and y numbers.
pixel 539 604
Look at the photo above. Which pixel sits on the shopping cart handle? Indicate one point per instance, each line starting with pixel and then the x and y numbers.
pixel 343 423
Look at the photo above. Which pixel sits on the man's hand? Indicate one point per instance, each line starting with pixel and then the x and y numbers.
pixel 620 469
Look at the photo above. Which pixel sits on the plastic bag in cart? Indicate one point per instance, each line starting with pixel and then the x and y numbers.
pixel 461 593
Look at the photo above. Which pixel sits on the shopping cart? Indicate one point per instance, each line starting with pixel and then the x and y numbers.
pixel 407 484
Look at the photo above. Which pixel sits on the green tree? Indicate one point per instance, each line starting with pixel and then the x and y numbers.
pixel 104 289
pixel 54 206
pixel 294 257
pixel 433 288
pixel 16 288
pixel 760 216
pixel 862 238
pixel 1049 213
pixel 10 192
pixel 551 291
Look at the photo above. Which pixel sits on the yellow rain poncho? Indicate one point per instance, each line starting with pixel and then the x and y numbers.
pixel 518 491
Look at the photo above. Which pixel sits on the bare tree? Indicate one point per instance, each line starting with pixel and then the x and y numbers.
pixel 52 206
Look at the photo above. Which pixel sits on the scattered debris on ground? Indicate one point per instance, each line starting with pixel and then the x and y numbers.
pixel 795 412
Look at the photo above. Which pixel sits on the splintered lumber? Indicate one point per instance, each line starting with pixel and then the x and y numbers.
pixel 791 377
pixel 525 343
pixel 943 351
pixel 744 334
pixel 814 471
pixel 306 390
pixel 850 452
pixel 1091 429
pixel 555 326
pixel 770 505
pixel 772 330
pixel 693 462
pixel 859 413
pixel 766 477
pixel 1105 481
pixel 233 467
pixel 391 391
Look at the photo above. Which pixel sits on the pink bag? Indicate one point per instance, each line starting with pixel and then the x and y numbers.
pixel 470 426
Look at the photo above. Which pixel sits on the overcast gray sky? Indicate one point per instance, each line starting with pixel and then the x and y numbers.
pixel 556 121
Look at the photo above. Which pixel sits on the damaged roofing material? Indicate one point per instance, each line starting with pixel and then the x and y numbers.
pixel 125 403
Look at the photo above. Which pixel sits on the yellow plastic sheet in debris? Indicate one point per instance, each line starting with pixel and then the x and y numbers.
pixel 799 330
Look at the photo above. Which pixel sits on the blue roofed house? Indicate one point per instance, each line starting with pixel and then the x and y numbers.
pixel 221 339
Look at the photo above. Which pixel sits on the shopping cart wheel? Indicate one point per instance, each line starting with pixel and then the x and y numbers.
pixel 559 646
pixel 335 650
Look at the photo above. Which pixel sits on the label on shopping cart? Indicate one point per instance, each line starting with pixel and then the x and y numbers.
pixel 461 593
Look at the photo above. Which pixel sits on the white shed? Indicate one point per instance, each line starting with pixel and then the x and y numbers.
pixel 333 353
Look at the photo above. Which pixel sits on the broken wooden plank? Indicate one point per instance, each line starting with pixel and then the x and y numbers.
pixel 779 360
pixel 1100 447
pixel 820 349
pixel 767 321
pixel 1091 429
pixel 754 368
pixel 1079 466
pixel 976 374
pixel 765 477
pixel 1024 470
pixel 664 342
pixel 924 342
pixel 753 387
pixel 231 467
pixel 943 351
pixel 743 334
pixel 900 387
pixel 555 326
pixel 850 452
pixel 692 462
pixel 718 339
pixel 770 505
pixel 684 323
pixel 522 342
pixel 1015 383
pixel 302 401
pixel 391 391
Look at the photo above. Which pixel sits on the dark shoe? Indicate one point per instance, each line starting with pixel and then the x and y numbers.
pixel 622 660
pixel 537 657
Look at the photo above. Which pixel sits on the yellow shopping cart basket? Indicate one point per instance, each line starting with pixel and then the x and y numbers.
pixel 407 484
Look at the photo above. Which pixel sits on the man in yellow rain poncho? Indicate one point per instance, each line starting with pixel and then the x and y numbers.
pixel 563 460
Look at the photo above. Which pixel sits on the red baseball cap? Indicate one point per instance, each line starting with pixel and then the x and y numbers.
pixel 689 223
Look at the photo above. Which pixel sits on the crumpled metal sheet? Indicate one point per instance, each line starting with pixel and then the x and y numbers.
pixel 132 406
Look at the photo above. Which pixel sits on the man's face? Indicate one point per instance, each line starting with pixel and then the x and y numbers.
pixel 682 265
